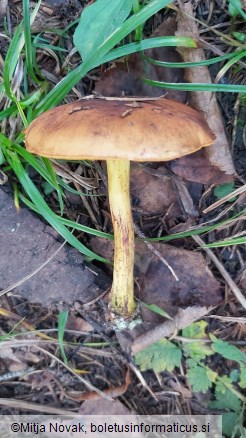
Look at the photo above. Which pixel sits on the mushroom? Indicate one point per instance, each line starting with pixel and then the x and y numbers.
pixel 118 131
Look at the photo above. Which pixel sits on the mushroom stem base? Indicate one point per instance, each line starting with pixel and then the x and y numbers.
pixel 122 292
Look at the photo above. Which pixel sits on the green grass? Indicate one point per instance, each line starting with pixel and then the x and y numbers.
pixel 114 39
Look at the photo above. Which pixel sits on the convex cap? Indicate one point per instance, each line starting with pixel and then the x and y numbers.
pixel 101 129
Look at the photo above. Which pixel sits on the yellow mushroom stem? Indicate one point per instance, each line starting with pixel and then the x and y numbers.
pixel 122 292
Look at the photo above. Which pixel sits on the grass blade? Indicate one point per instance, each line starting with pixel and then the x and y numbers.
pixel 69 223
pixel 149 43
pixel 229 88
pixel 191 64
pixel 28 41
pixel 43 209
pixel 62 322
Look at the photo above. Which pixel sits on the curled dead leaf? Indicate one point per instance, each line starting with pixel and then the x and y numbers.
pixel 219 153
pixel 111 392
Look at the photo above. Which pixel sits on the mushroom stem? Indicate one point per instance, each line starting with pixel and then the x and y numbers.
pixel 122 292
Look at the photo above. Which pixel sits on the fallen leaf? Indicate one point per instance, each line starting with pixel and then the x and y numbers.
pixel 198 168
pixel 123 78
pixel 196 285
pixel 154 194
pixel 111 392
pixel 11 361
pixel 219 153
pixel 242 281
pixel 160 356
pixel 31 357
pixel 103 246
pixel 103 407
pixel 79 324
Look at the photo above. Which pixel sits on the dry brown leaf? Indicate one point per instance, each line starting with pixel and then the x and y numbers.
pixel 78 324
pixel 219 153
pixel 197 168
pixel 11 362
pixel 196 285
pixel 242 281
pixel 123 78
pixel 153 194
pixel 111 392
pixel 103 407
pixel 31 357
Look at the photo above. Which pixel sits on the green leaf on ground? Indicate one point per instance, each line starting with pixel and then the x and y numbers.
pixel 229 423
pixel 197 350
pixel 234 375
pixel 227 350
pixel 156 309
pixel 223 383
pixel 226 400
pixel 62 321
pixel 242 382
pixel 98 21
pixel 224 190
pixel 195 330
pixel 235 8
pixel 201 378
pixel 161 356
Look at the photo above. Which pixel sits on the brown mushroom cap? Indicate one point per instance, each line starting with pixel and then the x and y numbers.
pixel 98 129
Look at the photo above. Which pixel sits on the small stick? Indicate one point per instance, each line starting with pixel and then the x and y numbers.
pixel 123 99
pixel 238 294
pixel 183 319
pixel 226 198
pixel 155 251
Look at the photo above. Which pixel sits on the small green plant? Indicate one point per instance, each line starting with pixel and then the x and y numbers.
pixel 235 8
pixel 62 321
pixel 223 190
pixel 196 351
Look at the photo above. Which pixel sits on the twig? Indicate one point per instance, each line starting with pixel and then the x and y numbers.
pixel 14 374
pixel 123 99
pixel 62 171
pixel 183 319
pixel 237 320
pixel 238 294
pixel 142 380
pixel 20 404
pixel 87 206
pixel 226 198
pixel 155 251
pixel 86 383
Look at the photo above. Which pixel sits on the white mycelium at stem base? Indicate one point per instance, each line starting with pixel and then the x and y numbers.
pixel 122 292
